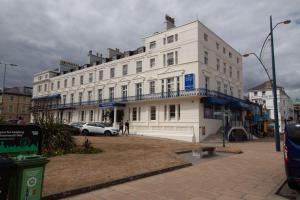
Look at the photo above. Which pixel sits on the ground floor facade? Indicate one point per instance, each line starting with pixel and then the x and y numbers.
pixel 188 118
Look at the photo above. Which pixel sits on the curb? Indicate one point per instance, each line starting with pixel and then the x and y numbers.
pixel 112 183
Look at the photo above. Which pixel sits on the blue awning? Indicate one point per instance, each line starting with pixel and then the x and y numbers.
pixel 216 100
pixel 110 105
pixel 239 104
pixel 52 96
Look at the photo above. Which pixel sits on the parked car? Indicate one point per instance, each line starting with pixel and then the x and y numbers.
pixel 74 130
pixel 292 154
pixel 98 128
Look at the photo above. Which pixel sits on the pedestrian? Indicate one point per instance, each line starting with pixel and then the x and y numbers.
pixel 127 128
pixel 20 121
pixel 121 127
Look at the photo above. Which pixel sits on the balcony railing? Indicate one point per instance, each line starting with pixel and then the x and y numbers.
pixel 155 96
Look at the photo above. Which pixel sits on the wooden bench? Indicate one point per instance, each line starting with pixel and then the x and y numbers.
pixel 199 152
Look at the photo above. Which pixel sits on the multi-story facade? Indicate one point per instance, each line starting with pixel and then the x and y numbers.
pixel 263 95
pixel 16 102
pixel 162 88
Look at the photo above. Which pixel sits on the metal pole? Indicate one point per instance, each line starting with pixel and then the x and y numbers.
pixel 223 126
pixel 274 87
pixel 3 92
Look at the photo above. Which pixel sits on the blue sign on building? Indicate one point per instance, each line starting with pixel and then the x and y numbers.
pixel 189 83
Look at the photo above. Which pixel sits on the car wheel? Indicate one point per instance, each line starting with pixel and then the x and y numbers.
pixel 85 132
pixel 107 133
pixel 293 185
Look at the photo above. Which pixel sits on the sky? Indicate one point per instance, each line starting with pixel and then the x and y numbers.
pixel 37 34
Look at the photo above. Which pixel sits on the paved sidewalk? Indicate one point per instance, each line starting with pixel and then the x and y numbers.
pixel 253 175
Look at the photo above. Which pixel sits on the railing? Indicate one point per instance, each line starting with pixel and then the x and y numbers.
pixel 143 97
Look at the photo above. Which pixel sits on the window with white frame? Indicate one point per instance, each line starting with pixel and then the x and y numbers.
pixel 231 91
pixel 238 74
pixel 152 62
pixel 52 86
pixel 111 93
pixel 100 75
pixel 176 37
pixel 170 39
pixel 230 54
pixel 64 99
pixel 152 113
pixel 134 114
pixel 170 85
pixel 73 81
pixel 91 115
pixel 139 66
pixel 152 87
pixel 112 72
pixel 218 64
pixel 100 93
pixel 90 96
pixel 72 98
pixel 45 87
pixel 224 50
pixel 164 59
pixel 124 70
pixel 124 92
pixel 152 45
pixel 206 82
pixel 90 77
pixel 205 37
pixel 205 57
pixel 138 90
pixel 230 71
pixel 81 80
pixel 178 84
pixel 172 111
pixel 39 88
pixel 170 58
pixel 225 88
pixel 82 116
pixel 224 68
pixel 66 83
pixel 80 97
pixel 217 46
pixel 219 86
pixel 58 84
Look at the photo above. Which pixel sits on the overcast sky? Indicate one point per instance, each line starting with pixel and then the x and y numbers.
pixel 37 34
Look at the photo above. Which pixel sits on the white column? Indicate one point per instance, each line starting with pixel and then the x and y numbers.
pixel 100 114
pixel 115 117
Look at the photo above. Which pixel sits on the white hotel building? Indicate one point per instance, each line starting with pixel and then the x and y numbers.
pixel 263 95
pixel 171 87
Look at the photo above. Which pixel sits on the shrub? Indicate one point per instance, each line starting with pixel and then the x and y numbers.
pixel 57 138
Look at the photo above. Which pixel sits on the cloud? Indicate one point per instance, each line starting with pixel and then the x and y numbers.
pixel 37 34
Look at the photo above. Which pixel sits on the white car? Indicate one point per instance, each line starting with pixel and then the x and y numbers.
pixel 98 128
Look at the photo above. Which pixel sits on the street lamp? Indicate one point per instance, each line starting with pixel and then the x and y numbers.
pixel 4 76
pixel 273 81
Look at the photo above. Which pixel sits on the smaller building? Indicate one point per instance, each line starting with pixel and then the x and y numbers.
pixel 297 109
pixel 15 103
pixel 263 95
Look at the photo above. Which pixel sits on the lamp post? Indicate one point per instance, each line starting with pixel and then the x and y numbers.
pixel 4 76
pixel 273 80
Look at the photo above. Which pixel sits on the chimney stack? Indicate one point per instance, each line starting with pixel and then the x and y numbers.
pixel 170 22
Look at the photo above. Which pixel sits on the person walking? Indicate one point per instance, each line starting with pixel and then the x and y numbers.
pixel 127 128
pixel 121 127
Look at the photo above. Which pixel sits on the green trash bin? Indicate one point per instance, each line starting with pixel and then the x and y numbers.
pixel 27 182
